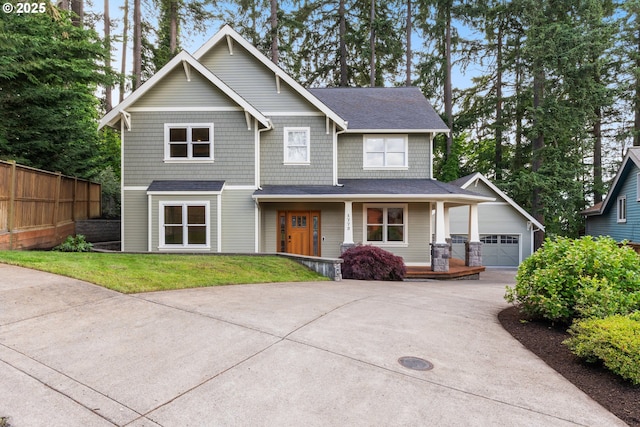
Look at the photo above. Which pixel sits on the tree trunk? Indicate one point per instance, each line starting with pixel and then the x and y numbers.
pixel 137 44
pixel 636 119
pixel 448 90
pixel 125 37
pixel 344 77
pixel 597 157
pixel 77 6
pixel 275 55
pixel 108 102
pixel 372 44
pixel 537 204
pixel 409 52
pixel 499 120
pixel 173 27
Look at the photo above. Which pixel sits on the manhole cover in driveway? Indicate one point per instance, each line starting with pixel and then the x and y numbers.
pixel 415 363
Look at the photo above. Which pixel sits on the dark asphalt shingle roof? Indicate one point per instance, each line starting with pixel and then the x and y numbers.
pixel 186 186
pixel 381 108
pixel 366 186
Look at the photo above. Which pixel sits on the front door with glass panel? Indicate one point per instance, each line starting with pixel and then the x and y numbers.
pixel 299 232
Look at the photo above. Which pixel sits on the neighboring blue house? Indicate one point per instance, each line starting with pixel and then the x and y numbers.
pixel 618 215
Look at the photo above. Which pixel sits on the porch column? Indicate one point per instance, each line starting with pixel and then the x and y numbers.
pixel 347 241
pixel 473 252
pixel 440 248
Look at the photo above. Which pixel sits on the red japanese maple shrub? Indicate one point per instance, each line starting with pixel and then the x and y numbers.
pixel 368 262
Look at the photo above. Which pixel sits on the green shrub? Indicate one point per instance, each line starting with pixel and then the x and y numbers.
pixel 614 341
pixel 74 244
pixel 567 279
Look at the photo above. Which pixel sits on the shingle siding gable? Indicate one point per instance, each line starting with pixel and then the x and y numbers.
pixel 253 81
pixel 143 150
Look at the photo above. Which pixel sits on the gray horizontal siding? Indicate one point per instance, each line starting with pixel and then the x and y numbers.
pixel 493 218
pixel 234 148
pixel 418 227
pixel 350 159
pixel 253 81
pixel 238 221
pixel 134 220
pixel 481 188
pixel 272 169
pixel 175 91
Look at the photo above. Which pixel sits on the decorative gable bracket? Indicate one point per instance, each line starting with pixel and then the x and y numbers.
pixel 187 70
pixel 126 119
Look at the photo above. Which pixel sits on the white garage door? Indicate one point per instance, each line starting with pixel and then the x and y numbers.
pixel 500 250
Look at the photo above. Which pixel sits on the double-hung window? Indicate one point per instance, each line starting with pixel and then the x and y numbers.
pixel 385 152
pixel 622 209
pixel 297 144
pixel 188 142
pixel 184 225
pixel 385 224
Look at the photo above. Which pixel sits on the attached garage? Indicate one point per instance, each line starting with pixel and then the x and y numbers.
pixel 506 229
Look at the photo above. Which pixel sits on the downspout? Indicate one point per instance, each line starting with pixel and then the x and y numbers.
pixel 256 237
pixel 335 155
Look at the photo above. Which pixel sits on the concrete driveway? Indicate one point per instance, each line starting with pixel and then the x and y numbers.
pixel 312 354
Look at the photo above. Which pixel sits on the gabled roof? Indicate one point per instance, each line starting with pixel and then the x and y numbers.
pixel 186 60
pixel 466 181
pixel 631 158
pixel 382 109
pixel 371 188
pixel 229 35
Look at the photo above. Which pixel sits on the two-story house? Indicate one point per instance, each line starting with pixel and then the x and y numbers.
pixel 222 151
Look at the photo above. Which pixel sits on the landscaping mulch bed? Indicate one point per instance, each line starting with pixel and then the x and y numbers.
pixel 618 396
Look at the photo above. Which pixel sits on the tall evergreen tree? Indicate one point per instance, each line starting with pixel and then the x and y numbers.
pixel 49 73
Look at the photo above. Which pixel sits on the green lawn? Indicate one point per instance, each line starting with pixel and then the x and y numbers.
pixel 131 273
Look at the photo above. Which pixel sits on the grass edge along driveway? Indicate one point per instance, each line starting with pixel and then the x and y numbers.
pixel 133 273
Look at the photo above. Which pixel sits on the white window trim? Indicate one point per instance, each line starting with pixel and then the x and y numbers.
pixel 385 136
pixel 621 213
pixel 185 246
pixel 189 158
pixel 385 206
pixel 638 187
pixel 286 131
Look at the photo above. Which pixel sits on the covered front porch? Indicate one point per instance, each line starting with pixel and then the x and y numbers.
pixel 408 217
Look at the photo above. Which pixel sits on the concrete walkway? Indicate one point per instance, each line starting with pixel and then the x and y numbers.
pixel 289 354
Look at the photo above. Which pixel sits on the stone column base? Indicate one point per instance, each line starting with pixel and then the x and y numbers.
pixel 473 254
pixel 346 246
pixel 440 257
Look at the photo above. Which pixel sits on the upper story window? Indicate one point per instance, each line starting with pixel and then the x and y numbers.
pixel 297 144
pixel 385 152
pixel 622 209
pixel 188 142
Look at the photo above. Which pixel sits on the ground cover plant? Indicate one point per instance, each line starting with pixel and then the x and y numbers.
pixel 131 273
pixel 614 341
pixel 367 262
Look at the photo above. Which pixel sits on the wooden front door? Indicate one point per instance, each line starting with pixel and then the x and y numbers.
pixel 299 232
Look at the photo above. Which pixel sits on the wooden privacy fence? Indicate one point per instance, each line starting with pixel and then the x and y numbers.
pixel 38 209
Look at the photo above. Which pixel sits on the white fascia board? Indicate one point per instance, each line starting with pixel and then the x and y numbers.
pixel 500 193
pixel 184 193
pixel 457 198
pixel 226 31
pixel 113 116
pixel 376 131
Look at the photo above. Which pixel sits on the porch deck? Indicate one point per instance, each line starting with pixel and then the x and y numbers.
pixel 457 271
